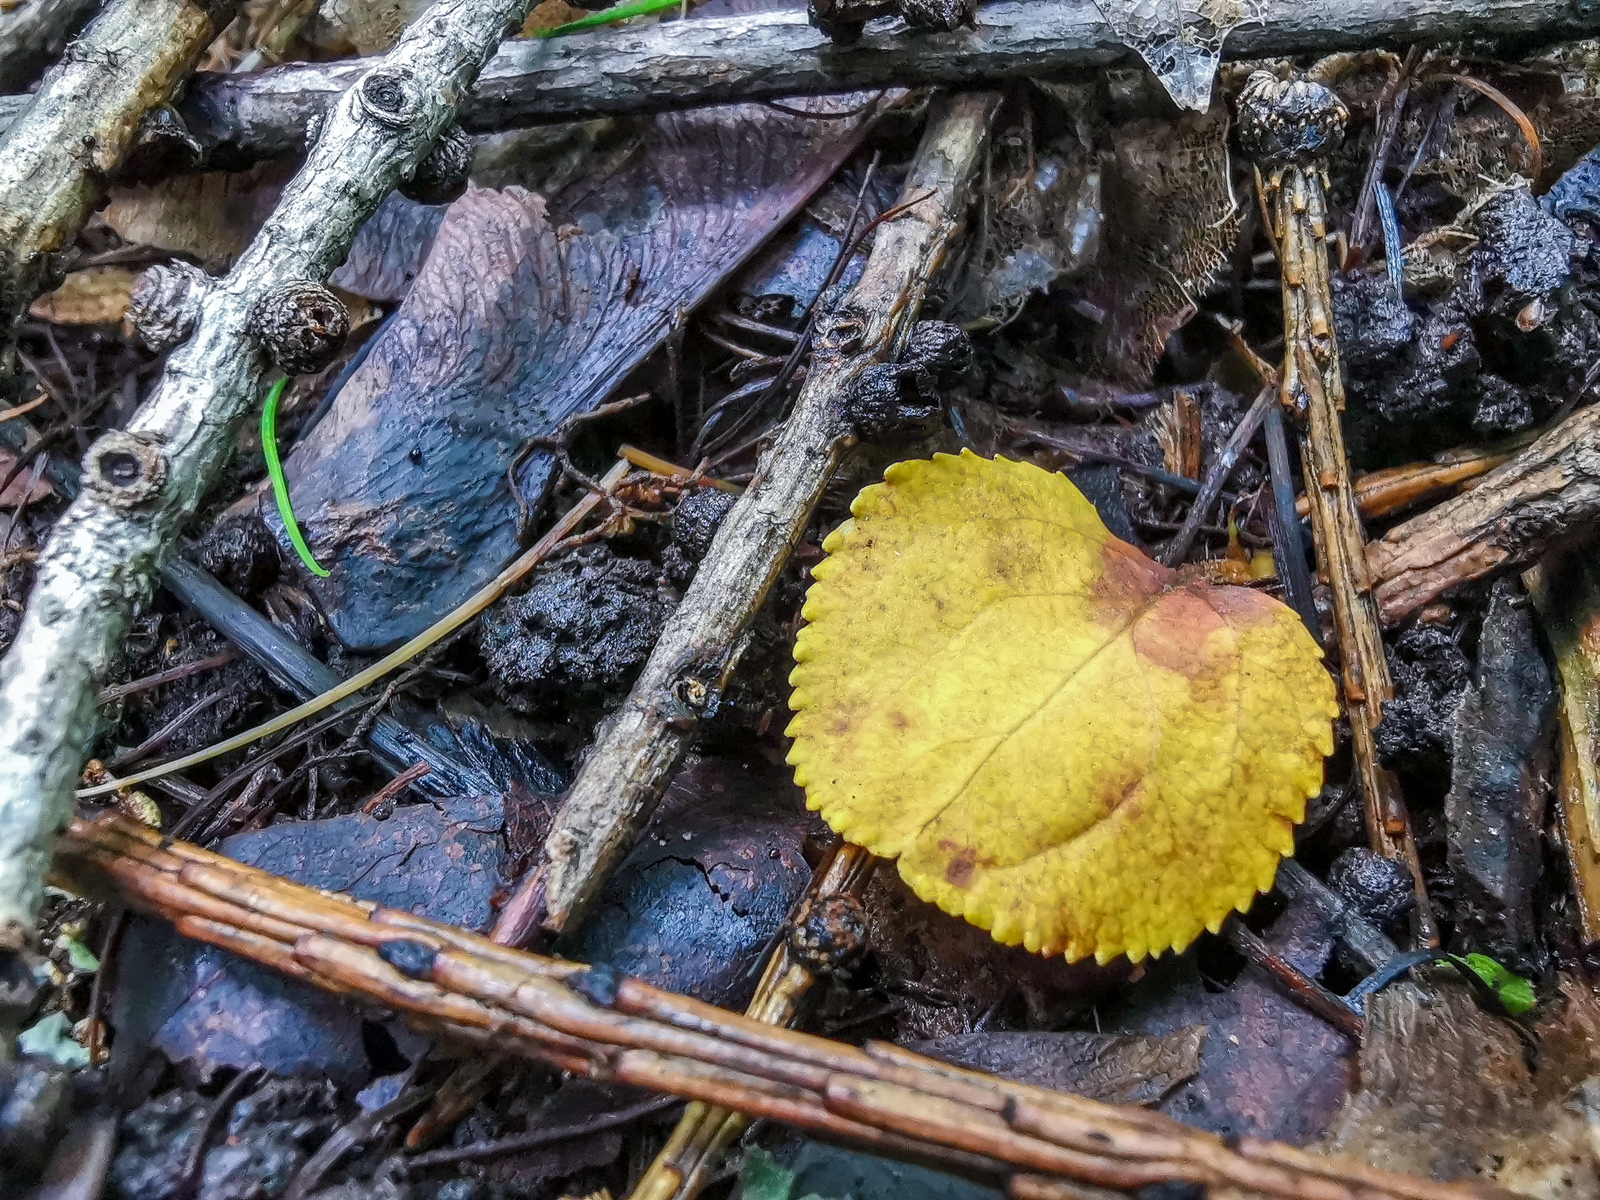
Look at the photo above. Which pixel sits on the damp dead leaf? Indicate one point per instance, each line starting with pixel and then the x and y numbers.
pixel 1060 740
pixel 93 296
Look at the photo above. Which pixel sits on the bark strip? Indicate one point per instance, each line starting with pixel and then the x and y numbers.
pixel 1545 495
pixel 1565 587
pixel 640 746
pixel 142 484
pixel 767 55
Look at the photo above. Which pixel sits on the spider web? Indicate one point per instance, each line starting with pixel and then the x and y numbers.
pixel 1181 40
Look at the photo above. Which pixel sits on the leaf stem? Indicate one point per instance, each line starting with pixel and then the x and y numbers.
pixel 280 485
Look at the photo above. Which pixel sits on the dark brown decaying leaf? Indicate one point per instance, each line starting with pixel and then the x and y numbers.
pixel 523 314
pixel 1269 1067
pixel 1120 1068
pixel 211 216
pixel 709 885
pixel 1172 225
pixel 204 1007
pixel 1501 774
pixel 946 974
pixel 1445 1091
pixel 389 250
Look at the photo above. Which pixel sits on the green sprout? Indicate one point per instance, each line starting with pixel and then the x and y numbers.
pixel 619 12
pixel 1515 992
pixel 280 485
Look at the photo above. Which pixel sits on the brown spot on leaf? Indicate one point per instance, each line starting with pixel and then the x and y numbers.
pixel 898 719
pixel 1237 606
pixel 1175 635
pixel 959 872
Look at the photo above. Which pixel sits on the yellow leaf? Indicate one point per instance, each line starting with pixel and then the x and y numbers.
pixel 1060 740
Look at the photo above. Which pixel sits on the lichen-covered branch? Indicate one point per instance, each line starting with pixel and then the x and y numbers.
pixel 594 1022
pixel 640 746
pixel 76 130
pixel 34 32
pixel 766 55
pixel 141 484
pixel 1546 494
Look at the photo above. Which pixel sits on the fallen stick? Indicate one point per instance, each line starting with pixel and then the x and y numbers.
pixel 75 131
pixel 34 33
pixel 593 1022
pixel 1288 127
pixel 682 64
pixel 638 747
pixel 1547 493
pixel 142 484
pixel 1380 493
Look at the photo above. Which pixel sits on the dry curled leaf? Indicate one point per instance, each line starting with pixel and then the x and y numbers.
pixel 1060 740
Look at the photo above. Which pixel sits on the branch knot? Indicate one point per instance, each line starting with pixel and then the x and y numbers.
pixel 829 934
pixel 302 326
pixel 166 303
pixel 390 97
pixel 441 176
pixel 125 469
pixel 1289 122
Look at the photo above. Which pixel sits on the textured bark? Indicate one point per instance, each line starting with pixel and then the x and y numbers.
pixel 35 32
pixel 78 127
pixel 1547 494
pixel 767 55
pixel 638 748
pixel 104 552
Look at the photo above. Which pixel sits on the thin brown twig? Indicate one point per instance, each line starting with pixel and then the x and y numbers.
pixel 1512 110
pixel 164 735
pixel 1316 998
pixel 133 687
pixel 595 1023
pixel 385 795
pixel 542 1135
pixel 216 1116
pixel 1279 120
pixel 23 409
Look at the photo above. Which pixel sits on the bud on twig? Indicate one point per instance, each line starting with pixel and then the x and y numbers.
pixel 124 469
pixel 165 302
pixel 441 176
pixel 302 325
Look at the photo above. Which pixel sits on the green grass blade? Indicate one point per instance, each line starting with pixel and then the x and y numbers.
pixel 619 12
pixel 280 485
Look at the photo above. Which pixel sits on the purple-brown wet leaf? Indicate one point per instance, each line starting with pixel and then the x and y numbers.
pixel 523 314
